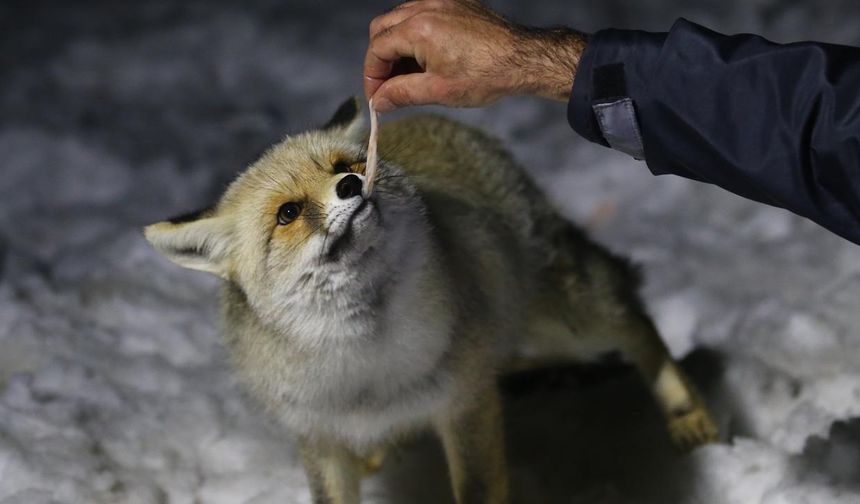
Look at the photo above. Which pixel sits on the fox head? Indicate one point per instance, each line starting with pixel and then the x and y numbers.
pixel 295 230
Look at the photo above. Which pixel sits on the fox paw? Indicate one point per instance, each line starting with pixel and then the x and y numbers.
pixel 372 462
pixel 692 428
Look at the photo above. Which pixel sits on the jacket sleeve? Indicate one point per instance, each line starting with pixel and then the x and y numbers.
pixel 775 123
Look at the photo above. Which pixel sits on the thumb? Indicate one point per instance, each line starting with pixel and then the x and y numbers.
pixel 418 88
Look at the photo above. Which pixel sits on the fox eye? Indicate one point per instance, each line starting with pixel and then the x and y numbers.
pixel 341 167
pixel 288 212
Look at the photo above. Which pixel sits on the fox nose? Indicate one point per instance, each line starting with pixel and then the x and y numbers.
pixel 348 186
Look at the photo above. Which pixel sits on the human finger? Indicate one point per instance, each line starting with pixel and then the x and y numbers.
pixel 408 90
pixel 382 54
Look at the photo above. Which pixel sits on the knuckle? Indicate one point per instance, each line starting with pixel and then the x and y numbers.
pixel 399 96
pixel 440 5
pixel 375 24
pixel 379 25
pixel 405 5
pixel 422 25
pixel 385 31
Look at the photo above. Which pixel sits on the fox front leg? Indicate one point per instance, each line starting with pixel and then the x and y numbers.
pixel 333 471
pixel 474 445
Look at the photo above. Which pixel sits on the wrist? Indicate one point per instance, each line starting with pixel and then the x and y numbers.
pixel 546 60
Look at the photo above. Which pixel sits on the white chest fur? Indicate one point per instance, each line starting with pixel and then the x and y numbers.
pixel 360 364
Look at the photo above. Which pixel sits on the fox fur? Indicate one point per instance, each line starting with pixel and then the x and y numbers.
pixel 357 321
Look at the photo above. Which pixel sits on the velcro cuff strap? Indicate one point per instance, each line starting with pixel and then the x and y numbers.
pixel 617 121
pixel 616 115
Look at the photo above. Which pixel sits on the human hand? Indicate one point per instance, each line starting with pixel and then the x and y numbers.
pixel 461 54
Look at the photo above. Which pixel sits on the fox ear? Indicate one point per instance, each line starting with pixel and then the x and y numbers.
pixel 198 241
pixel 349 118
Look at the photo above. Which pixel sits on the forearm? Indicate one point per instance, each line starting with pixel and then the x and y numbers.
pixel 774 123
pixel 545 61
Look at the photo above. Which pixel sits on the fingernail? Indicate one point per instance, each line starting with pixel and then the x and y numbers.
pixel 371 84
pixel 383 105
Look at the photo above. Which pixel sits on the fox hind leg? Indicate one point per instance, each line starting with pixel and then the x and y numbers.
pixel 589 306
pixel 688 420
pixel 633 335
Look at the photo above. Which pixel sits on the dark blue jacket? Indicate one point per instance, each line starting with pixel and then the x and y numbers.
pixel 775 123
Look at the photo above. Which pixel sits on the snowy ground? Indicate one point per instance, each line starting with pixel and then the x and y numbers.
pixel 113 386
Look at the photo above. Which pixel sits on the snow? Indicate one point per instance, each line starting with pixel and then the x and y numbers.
pixel 113 382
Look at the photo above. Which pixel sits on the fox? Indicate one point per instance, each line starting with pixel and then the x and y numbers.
pixel 357 320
